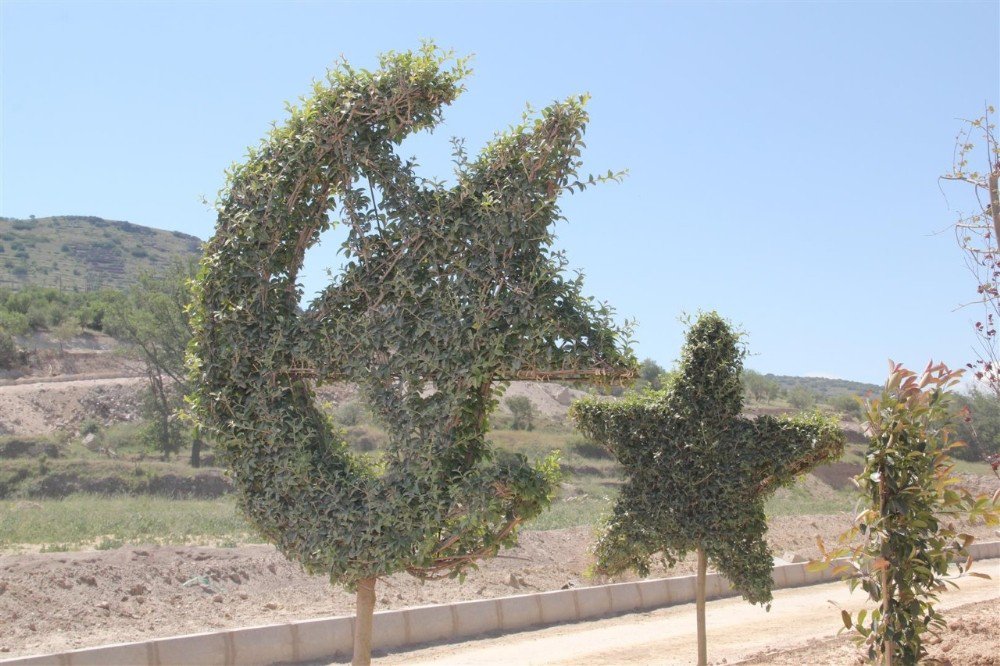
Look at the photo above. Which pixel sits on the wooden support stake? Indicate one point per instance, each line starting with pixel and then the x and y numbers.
pixel 700 597
pixel 364 614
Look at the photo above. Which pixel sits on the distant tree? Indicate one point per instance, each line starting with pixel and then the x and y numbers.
pixel 152 319
pixel 10 355
pixel 651 376
pixel 978 424
pixel 65 331
pixel 801 398
pixel 759 387
pixel 847 404
pixel 697 472
pixel 523 411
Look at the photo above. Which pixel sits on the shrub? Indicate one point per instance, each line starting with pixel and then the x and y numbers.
pixel 90 427
pixel 350 414
pixel 847 403
pixel 10 355
pixel 801 398
pixel 523 412
pixel 14 323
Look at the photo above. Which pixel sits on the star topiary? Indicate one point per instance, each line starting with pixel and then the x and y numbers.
pixel 697 471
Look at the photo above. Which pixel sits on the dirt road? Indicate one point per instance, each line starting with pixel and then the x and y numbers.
pixel 736 631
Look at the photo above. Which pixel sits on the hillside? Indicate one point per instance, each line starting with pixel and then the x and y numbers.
pixel 825 387
pixel 74 253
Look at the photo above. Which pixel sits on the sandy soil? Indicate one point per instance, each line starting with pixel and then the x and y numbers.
pixel 60 601
pixel 41 408
pixel 801 628
pixel 41 404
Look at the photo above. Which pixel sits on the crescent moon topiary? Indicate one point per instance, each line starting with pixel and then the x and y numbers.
pixel 447 293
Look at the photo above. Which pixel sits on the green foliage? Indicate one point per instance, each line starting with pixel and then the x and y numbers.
pixel 41 308
pixel 909 537
pixel 451 289
pixel 76 254
pixel 11 355
pixel 697 472
pixel 759 387
pixel 350 414
pixel 651 376
pixel 847 404
pixel 80 521
pixel 824 388
pixel 801 398
pixel 152 319
pixel 523 412
pixel 978 425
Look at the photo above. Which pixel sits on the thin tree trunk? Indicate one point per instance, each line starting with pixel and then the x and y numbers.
pixel 363 615
pixel 196 452
pixel 994 181
pixel 889 646
pixel 700 597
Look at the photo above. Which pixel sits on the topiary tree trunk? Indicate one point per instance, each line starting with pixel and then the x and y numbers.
pixel 447 294
pixel 697 472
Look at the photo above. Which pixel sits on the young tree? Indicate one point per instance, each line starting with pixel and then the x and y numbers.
pixel 455 290
pixel 909 537
pixel 697 473
pixel 152 319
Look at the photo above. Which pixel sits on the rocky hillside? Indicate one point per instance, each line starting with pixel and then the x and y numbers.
pixel 85 253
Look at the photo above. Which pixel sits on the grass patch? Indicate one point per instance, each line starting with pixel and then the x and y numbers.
pixel 44 478
pixel 804 499
pixel 85 521
pixel 574 511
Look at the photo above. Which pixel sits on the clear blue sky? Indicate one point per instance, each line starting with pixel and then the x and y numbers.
pixel 783 156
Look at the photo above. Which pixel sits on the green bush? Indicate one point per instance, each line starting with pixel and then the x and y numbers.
pixel 350 414
pixel 91 427
pixel 10 355
pixel 14 323
pixel 847 403
pixel 523 412
pixel 801 398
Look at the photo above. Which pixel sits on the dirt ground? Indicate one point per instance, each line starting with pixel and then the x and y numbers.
pixel 53 602
pixel 801 628
pixel 76 385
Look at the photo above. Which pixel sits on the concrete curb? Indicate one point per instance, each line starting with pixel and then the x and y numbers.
pixel 331 638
